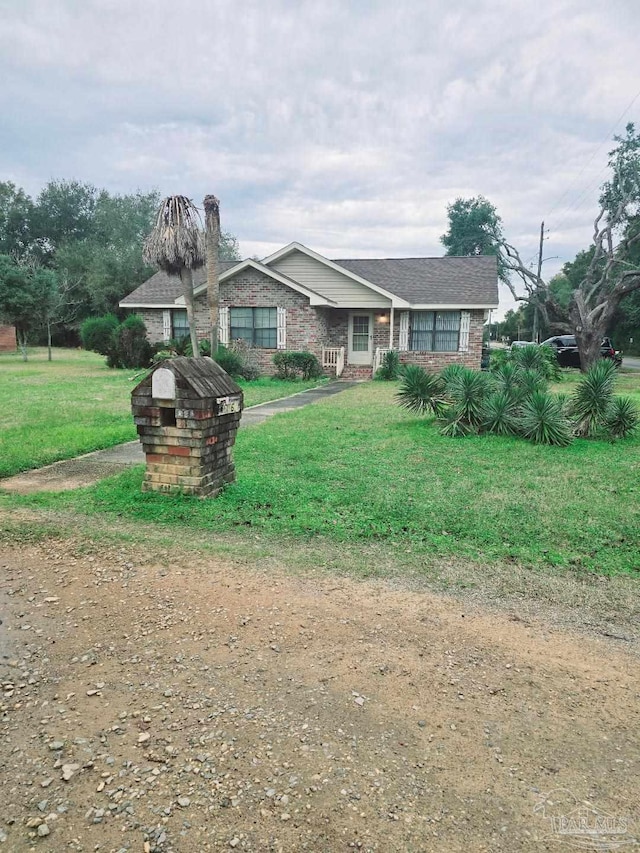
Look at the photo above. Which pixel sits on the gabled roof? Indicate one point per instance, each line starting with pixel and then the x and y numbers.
pixel 161 290
pixel 451 281
pixel 298 247
pixel 314 297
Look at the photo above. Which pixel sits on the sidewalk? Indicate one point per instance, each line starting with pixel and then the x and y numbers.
pixel 92 467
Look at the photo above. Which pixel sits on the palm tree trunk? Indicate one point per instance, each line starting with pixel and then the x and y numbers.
pixel 186 276
pixel 212 240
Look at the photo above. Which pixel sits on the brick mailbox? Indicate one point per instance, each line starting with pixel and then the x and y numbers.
pixel 187 412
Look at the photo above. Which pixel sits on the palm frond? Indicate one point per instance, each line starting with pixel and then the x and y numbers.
pixel 177 240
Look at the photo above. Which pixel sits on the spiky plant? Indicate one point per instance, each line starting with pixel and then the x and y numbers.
pixel 622 417
pixel 421 392
pixel 550 365
pixel 507 379
pixel 528 358
pixel 454 425
pixel 176 246
pixel 592 398
pixel 531 380
pixel 451 372
pixel 500 414
pixel 469 390
pixel 542 421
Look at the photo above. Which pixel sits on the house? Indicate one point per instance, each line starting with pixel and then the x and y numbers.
pixel 347 312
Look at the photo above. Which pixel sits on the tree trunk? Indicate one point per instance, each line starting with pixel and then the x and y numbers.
pixel 186 277
pixel 22 343
pixel 588 333
pixel 212 241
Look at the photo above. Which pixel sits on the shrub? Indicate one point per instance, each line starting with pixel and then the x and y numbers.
pixel 469 391
pixel 421 392
pixel 390 367
pixel 96 333
pixel 229 361
pixel 291 365
pixel 499 414
pixel 130 347
pixel 622 417
pixel 542 420
pixel 246 352
pixel 592 397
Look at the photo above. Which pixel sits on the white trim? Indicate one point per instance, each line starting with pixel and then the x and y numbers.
pixel 166 324
pixel 391 322
pixel 314 298
pixel 403 339
pixel 223 325
pixel 292 247
pixel 453 307
pixel 148 305
pixel 282 329
pixel 463 340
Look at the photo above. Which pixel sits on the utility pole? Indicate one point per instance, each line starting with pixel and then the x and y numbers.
pixel 536 333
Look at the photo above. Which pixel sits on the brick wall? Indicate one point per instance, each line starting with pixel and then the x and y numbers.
pixel 153 321
pixel 7 339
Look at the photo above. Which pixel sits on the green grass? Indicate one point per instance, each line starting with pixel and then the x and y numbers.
pixel 357 468
pixel 76 404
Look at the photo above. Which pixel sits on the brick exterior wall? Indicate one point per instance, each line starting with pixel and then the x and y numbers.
pixel 310 328
pixel 7 339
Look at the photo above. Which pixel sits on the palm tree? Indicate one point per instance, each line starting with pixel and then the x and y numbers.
pixel 176 246
pixel 212 240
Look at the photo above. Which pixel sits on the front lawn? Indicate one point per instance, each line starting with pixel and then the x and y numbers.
pixel 357 468
pixel 76 404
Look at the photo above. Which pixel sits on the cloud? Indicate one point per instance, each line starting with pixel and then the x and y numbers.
pixel 349 127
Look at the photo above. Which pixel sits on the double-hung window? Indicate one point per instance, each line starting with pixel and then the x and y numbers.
pixel 256 326
pixel 179 324
pixel 434 331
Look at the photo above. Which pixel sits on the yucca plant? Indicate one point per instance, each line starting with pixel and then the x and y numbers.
pixel 550 366
pixel 469 391
pixel 622 417
pixel 542 421
pixel 500 414
pixel 421 392
pixel 528 358
pixel 507 379
pixel 592 398
pixel 451 372
pixel 530 380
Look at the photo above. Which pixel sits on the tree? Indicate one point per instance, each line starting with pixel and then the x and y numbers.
pixel 228 248
pixel 16 213
pixel 602 276
pixel 176 246
pixel 27 297
pixel 474 229
pixel 212 238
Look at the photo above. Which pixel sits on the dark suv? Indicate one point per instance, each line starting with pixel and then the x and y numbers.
pixel 566 350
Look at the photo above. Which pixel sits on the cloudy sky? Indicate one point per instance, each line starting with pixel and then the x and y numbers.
pixel 347 125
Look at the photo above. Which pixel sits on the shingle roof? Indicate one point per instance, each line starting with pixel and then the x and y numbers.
pixel 433 281
pixel 163 289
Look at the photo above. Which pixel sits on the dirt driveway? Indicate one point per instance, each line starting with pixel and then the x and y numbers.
pixel 153 705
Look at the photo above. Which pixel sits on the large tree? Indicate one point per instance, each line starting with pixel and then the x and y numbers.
pixel 212 241
pixel 474 229
pixel 27 297
pixel 602 276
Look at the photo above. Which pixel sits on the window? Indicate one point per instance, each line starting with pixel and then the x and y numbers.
pixel 256 326
pixel 179 324
pixel 434 331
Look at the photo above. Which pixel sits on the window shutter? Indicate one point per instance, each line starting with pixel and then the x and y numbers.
pixel 166 325
pixel 465 318
pixel 403 340
pixel 223 326
pixel 282 328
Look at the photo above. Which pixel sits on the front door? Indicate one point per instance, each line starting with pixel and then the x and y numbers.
pixel 360 350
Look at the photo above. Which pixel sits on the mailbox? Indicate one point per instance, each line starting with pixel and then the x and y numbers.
pixel 187 412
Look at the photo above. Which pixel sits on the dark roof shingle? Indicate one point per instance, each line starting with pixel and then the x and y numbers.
pixel 434 281
pixel 163 289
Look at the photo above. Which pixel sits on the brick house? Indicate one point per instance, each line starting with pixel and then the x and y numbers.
pixel 347 312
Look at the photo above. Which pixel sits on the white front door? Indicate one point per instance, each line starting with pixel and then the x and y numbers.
pixel 360 350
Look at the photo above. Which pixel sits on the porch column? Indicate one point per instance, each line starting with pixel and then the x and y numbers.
pixel 391 318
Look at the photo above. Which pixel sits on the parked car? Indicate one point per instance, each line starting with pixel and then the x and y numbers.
pixel 519 344
pixel 566 350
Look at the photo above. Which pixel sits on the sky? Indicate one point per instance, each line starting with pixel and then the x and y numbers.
pixel 347 125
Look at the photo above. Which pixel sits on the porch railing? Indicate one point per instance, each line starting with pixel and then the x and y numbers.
pixel 333 359
pixel 378 358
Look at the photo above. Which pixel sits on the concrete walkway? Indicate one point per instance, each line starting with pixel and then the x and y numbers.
pixel 92 467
